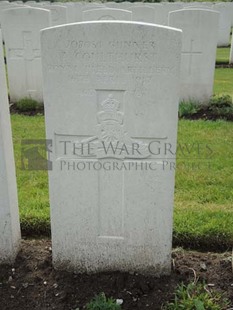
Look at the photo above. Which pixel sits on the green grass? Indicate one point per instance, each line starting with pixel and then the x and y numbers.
pixel 223 54
pixel 223 83
pixel 203 197
pixel 196 296
pixel 32 185
pixel 101 302
pixel 204 188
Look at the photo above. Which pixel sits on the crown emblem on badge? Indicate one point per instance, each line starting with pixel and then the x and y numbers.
pixel 110 107
pixel 110 104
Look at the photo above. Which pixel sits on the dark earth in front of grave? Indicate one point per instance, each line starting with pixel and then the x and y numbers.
pixel 32 283
pixel 206 113
pixel 38 111
pixel 223 65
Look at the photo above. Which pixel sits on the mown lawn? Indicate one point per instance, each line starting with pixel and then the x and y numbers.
pixel 223 54
pixel 32 185
pixel 204 185
pixel 203 195
pixel 223 83
pixel 204 188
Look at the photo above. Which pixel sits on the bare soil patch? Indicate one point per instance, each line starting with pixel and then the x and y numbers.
pixel 32 282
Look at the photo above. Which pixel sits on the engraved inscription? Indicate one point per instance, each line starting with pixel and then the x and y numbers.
pixel 103 64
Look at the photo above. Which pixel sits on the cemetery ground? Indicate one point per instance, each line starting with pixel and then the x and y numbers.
pixel 223 81
pixel 203 194
pixel 34 284
pixel 201 264
pixel 223 55
pixel 203 221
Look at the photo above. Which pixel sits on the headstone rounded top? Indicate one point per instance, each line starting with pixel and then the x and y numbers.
pixel 106 14
pixel 109 22
pixel 24 10
pixel 138 7
pixel 106 9
pixel 192 11
pixel 49 6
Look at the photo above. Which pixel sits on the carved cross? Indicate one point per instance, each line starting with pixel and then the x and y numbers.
pixel 191 53
pixel 28 54
pixel 110 136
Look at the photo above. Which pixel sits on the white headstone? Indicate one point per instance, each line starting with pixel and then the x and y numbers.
pixel 21 29
pixel 5 6
pixel 224 28
pixel 199 5
pixel 79 8
pixel 162 11
pixel 9 214
pixel 125 5
pixel 230 10
pixel 36 5
pixel 231 51
pixel 107 14
pixel 86 6
pixel 70 12
pixel 73 11
pixel 116 85
pixel 110 4
pixel 58 14
pixel 198 51
pixel 143 14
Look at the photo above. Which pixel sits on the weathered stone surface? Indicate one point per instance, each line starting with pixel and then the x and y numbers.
pixel 21 28
pixel 143 14
pixel 107 14
pixel 111 99
pixel 200 28
pixel 224 28
pixel 9 214
pixel 58 14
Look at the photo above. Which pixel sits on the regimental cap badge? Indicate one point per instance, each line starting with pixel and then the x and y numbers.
pixel 110 111
pixel 110 104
